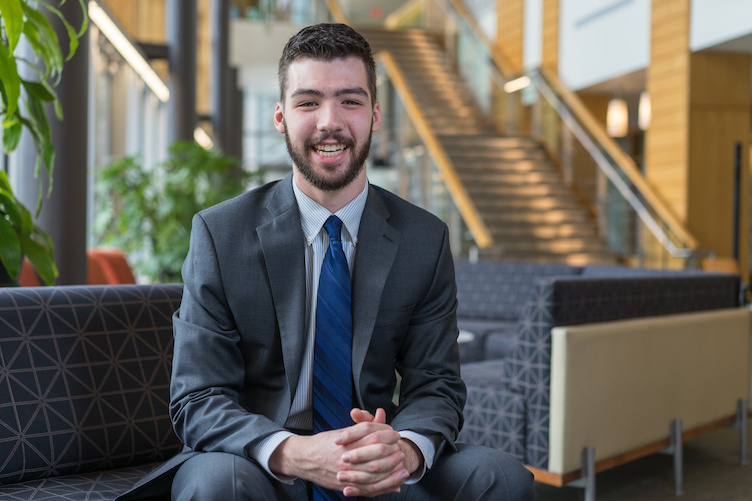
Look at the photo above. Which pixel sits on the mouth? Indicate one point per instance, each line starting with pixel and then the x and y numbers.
pixel 329 150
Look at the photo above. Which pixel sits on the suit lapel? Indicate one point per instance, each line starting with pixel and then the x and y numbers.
pixel 377 246
pixel 283 245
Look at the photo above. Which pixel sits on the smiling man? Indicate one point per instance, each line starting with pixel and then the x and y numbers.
pixel 304 299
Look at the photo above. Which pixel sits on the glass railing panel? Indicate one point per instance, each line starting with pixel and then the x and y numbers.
pixel 410 170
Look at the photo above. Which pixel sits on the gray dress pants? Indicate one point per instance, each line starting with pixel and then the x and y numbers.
pixel 474 472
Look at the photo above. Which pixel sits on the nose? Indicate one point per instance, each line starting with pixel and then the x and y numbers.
pixel 329 118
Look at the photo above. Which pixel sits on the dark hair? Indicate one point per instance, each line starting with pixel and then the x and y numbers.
pixel 327 42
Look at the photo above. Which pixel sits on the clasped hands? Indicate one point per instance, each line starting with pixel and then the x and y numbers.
pixel 367 459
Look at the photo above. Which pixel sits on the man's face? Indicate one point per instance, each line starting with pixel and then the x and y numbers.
pixel 328 119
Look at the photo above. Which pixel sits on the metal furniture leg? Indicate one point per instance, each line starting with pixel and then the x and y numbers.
pixel 588 472
pixel 677 451
pixel 741 422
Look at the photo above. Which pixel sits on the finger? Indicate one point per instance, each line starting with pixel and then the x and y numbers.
pixel 356 432
pixel 380 416
pixel 379 466
pixel 361 415
pixel 391 483
pixel 373 447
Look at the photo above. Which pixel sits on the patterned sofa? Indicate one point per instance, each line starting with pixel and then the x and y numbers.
pixel 84 388
pixel 510 402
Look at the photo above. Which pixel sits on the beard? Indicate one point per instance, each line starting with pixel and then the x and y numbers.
pixel 300 157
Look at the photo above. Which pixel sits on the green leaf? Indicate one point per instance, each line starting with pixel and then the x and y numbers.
pixel 11 80
pixel 10 251
pixel 11 135
pixel 4 182
pixel 12 13
pixel 48 41
pixel 73 35
pixel 40 90
pixel 41 256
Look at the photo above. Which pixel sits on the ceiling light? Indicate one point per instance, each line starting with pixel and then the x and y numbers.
pixel 129 52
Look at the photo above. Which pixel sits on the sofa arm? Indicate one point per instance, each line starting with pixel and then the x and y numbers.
pixel 617 386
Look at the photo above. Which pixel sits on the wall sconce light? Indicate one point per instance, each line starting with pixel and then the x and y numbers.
pixel 203 138
pixel 617 118
pixel 129 52
pixel 644 111
pixel 517 84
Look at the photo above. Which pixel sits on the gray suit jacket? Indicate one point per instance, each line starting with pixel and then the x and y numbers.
pixel 240 330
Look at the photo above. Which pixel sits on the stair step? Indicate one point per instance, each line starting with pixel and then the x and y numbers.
pixel 556 216
pixel 524 191
pixel 504 233
pixel 575 258
pixel 493 204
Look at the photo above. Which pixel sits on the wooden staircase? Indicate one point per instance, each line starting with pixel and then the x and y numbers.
pixel 518 191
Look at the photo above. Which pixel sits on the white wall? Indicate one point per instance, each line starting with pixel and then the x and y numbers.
pixel 532 50
pixel 602 39
pixel 717 21
pixel 255 49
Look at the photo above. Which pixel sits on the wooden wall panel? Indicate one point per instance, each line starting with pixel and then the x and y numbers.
pixel 550 56
pixel 510 29
pixel 666 142
pixel 719 120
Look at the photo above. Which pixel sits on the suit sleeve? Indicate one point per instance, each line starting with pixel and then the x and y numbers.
pixel 208 366
pixel 432 394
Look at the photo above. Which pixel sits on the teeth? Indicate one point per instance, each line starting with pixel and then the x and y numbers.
pixel 329 150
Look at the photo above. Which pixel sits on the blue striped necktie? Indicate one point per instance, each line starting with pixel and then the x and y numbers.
pixel 332 359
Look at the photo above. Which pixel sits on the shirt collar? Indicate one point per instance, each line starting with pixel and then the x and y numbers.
pixel 313 215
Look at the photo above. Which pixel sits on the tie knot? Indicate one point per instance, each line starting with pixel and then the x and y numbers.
pixel 333 227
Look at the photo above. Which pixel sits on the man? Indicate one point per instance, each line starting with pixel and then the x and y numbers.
pixel 247 392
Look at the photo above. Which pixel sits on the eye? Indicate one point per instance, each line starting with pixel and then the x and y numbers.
pixel 351 102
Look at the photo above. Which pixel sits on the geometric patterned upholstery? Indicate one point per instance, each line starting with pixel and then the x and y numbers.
pixel 84 388
pixel 499 290
pixel 576 300
pixel 494 416
pixel 96 485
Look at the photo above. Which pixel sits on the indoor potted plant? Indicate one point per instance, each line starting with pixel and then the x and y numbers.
pixel 146 211
pixel 22 107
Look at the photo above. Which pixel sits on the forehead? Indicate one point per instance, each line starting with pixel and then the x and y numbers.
pixel 326 75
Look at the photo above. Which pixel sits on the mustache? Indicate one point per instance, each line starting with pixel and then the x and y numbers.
pixel 311 142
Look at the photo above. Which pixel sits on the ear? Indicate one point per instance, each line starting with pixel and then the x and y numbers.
pixel 279 118
pixel 376 121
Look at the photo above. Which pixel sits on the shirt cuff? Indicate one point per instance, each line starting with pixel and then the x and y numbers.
pixel 262 452
pixel 426 448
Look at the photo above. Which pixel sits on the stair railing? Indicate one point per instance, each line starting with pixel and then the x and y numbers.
pixel 632 218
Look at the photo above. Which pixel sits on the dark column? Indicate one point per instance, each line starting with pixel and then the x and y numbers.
pixel 226 103
pixel 235 143
pixel 181 29
pixel 63 215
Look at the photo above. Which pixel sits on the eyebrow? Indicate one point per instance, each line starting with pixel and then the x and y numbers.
pixel 341 92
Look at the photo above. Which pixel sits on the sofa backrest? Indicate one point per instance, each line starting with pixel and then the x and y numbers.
pixel 84 378
pixel 498 289
pixel 581 300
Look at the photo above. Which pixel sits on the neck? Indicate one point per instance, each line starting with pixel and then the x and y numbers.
pixel 331 200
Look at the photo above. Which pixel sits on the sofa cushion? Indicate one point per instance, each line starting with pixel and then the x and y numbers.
pixel 84 378
pixel 97 485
